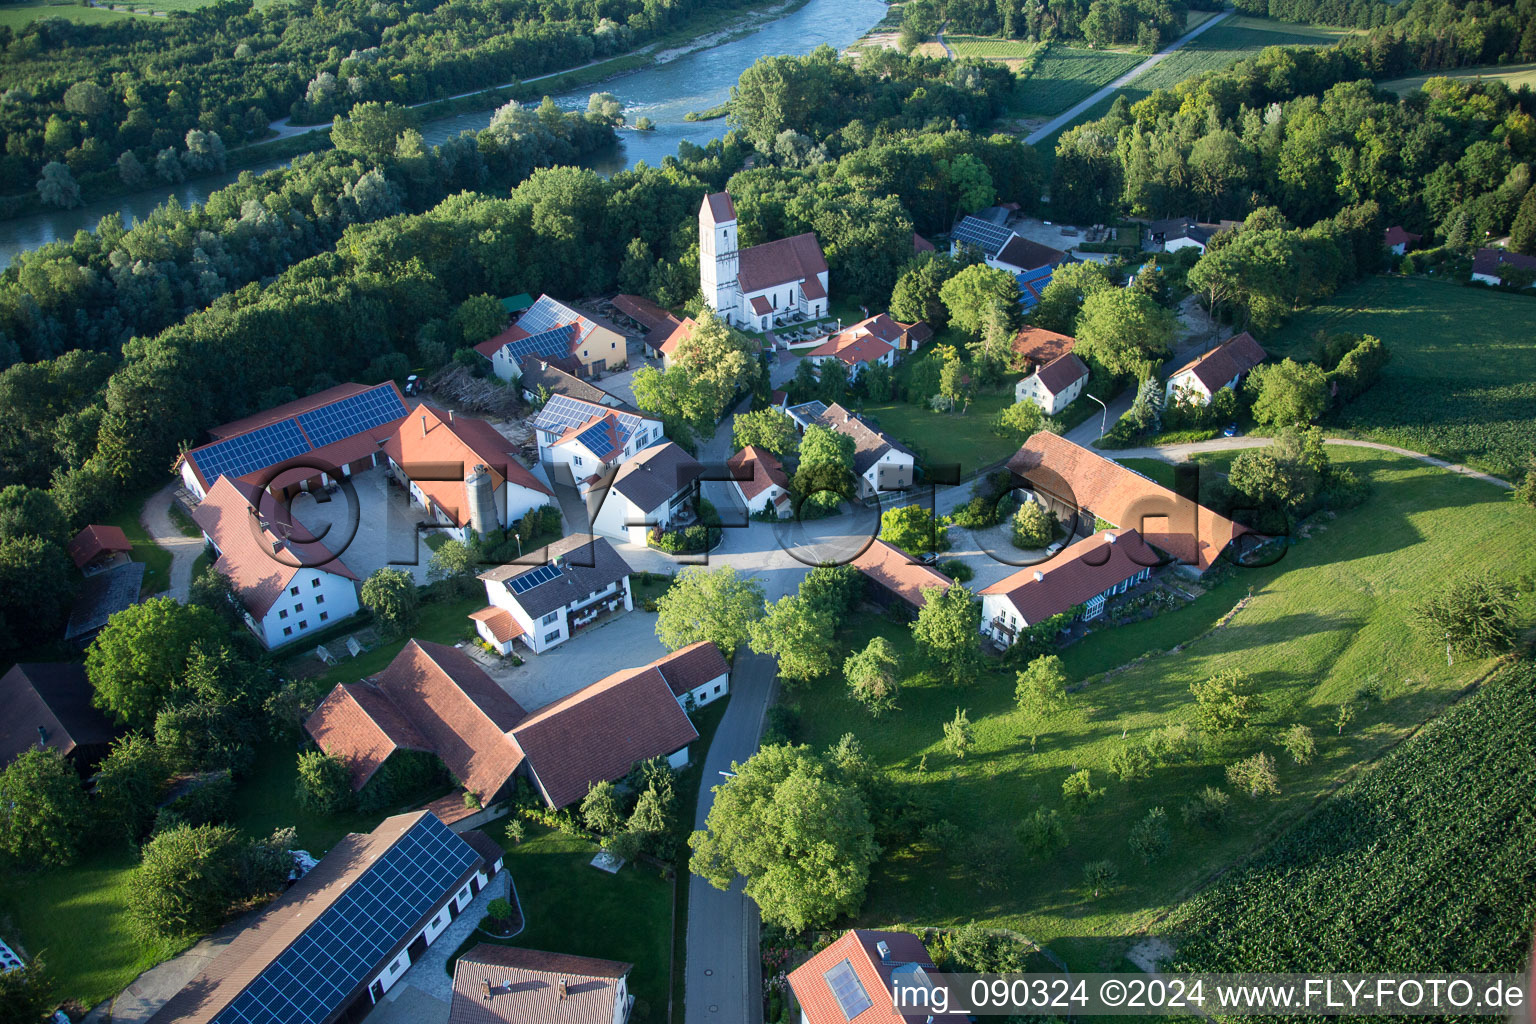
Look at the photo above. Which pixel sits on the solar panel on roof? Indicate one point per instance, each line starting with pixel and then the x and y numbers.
pixel 989 238
pixel 554 343
pixel 545 314
pixel 527 581
pixel 246 453
pixel 309 979
pixel 848 990
pixel 563 412
pixel 597 439
pixel 352 415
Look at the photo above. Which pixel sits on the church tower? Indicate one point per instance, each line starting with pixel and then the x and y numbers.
pixel 718 264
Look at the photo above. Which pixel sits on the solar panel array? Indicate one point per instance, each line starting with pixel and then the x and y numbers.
pixel 598 439
pixel 525 582
pixel 848 990
pixel 246 453
pixel 352 415
pixel 987 237
pixel 352 938
pixel 554 343
pixel 546 314
pixel 563 412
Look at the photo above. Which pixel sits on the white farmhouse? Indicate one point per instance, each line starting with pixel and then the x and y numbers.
pixel 1087 573
pixel 880 462
pixel 1055 385
pixel 1197 381
pixel 589 440
pixel 654 489
pixel 760 481
pixel 553 593
pixel 753 287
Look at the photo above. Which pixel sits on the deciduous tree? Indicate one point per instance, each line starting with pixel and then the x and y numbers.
pixel 138 661
pixel 871 676
pixel 129 782
pixel 1123 331
pixel 719 605
pixel 770 429
pixel 914 530
pixel 947 628
pixel 972 291
pixel 1041 691
pixel 799 634
pixel 43 813
pixel 391 595
pixel 1227 702
pixel 1288 393
pixel 324 784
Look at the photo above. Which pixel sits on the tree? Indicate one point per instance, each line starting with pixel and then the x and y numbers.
pixel 871 676
pixel 1522 233
pixel 1100 875
pixel 1033 526
pixel 1000 321
pixel 1061 300
pixel 324 784
pixel 770 429
pixel 1123 331
pixel 1525 488
pixel 205 151
pixel 1146 412
pixel 836 588
pixel 958 734
pixel 372 130
pixel 1227 702
pixel 129 782
pixel 799 634
pixel 137 662
pixel 1020 421
pixel 500 913
pixel 831 380
pixel 798 833
pixel 42 809
pixel 87 98
pixel 652 816
pixel 391 595
pixel 215 591
pixel 1298 742
pixel 826 465
pixel 1208 809
pixel 26 994
pixel 971 292
pixel 917 295
pixel 957 384
pixel 914 530
pixel 1288 393
pixel 1149 836
pixel 601 810
pixel 203 735
pixel 946 629
pixel 718 605
pixel 130 170
pixel 1474 615
pixel 190 877
pixel 877 383
pixel 1078 790
pixel 1041 691
pixel 1043 832
pixel 1286 475
pixel 479 318
pixel 56 186
pixel 1255 775
pixel 453 565
pixel 35 588
pixel 710 366
pixel 1346 714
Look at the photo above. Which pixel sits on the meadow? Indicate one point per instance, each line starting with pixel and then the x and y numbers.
pixel 1512 75
pixel 1329 617
pixel 1065 75
pixel 1461 383
pixel 19 15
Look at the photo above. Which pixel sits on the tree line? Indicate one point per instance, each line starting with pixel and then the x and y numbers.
pixel 1146 24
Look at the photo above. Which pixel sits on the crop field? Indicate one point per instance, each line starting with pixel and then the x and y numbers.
pixel 1512 75
pixel 1225 45
pixel 990 47
pixel 1461 383
pixel 1066 75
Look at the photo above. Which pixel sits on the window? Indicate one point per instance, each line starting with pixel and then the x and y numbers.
pixel 551 617
pixel 319 599
pixel 717 689
pixel 303 623
pixel 314 583
pixel 324 616
pixel 294 591
pixel 551 637
pixel 576 459
pixel 298 606
pixel 283 613
pixel 287 631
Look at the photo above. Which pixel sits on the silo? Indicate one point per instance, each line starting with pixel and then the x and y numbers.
pixel 482 501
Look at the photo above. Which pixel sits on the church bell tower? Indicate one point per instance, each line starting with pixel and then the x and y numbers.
pixel 718 262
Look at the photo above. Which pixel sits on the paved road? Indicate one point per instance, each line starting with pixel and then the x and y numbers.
pixel 1182 452
pixel 155 517
pixel 1072 114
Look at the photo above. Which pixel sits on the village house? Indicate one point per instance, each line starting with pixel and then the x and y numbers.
pixel 1033 347
pixel 895 580
pixel 1055 385
pixel 666 343
pixel 511 985
pixel 542 379
pixel 48 706
pixel 1031 263
pixel 463 472
pixel 554 331
pixel 1398 240
pixel 330 947
pixel 1087 573
pixel 1175 233
pixel 854 979
pixel 1197 381
pixel 552 593
pixel 760 482
pixel 758 286
pixel 806 413
pixel 1492 266
pixel 656 489
pixel 289 584
pixel 881 464
pixel 98 547
pixel 588 441
pixel 877 339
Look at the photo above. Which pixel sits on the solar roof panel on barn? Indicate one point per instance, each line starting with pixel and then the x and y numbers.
pixel 247 453
pixel 986 236
pixel 330 423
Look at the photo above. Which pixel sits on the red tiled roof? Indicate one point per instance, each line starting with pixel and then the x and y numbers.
pixel 784 261
pixel 689 668
pixel 431 443
pixel 853 347
pixel 1086 480
pixel 760 305
pixel 359 724
pixel 1038 346
pixel 861 950
pixel 921 244
pixel 766 471
pixel 869 444
pixel 779 398
pixel 813 289
pixel 1076 573
pixel 643 311
pixel 682 330
pixel 1233 357
pixel 899 572
pixel 720 207
pixel 94 541
pixel 1398 235
pixel 1061 373
pixel 1487 261
pixel 1026 255
pixel 500 622
pixel 524 987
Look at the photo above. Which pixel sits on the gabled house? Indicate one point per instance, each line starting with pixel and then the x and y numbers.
pixel 545 377
pixel 668 339
pixel 1055 385
pixel 1174 233
pixel 463 472
pixel 853 980
pixel 289 584
pixel 590 440
pixel 1197 381
pixel 1033 347
pixel 755 287
pixel 877 339
pixel 550 329
pixel 806 413
pixel 697 674
pixel 1086 573
pixel 880 463
pixel 97 547
pixel 512 985
pixel 896 580
pixel 48 704
pixel 1399 240
pixel 552 593
pixel 655 489
pixel 645 313
pixel 1031 263
pixel 1490 265
pixel 760 482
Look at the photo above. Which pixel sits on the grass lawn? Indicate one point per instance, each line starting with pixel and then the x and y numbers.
pixel 20 15
pixel 1512 75
pixel 1461 383
pixel 1066 75
pixel 946 438
pixel 157 560
pixel 1330 615
pixel 444 622
pixel 571 907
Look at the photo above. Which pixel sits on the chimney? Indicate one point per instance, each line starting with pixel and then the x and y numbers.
pixel 423 424
pixel 450 415
pixel 563 990
pixel 485 988
pixel 42 736
pixel 1039 575
pixel 884 950
pixel 1109 538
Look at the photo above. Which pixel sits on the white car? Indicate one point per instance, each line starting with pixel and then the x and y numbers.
pixel 1050 552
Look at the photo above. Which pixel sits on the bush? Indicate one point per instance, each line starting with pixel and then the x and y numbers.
pixel 781 725
pixel 1077 789
pixel 1149 837
pixel 956 570
pixel 1208 809
pixel 1033 526
pixel 324 785
pixel 191 876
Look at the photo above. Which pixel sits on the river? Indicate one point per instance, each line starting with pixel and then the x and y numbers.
pixel 664 93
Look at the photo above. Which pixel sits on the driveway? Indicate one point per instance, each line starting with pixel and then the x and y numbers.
pixel 385 535
pixel 624 641
pixel 155 517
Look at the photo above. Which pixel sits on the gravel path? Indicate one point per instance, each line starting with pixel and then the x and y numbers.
pixel 155 517
pixel 1182 452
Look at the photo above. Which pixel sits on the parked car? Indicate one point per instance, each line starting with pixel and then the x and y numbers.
pixel 1056 546
pixel 1231 431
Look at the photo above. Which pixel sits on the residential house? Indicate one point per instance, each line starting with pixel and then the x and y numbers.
pixel 1031 263
pixel 339 938
pixel 895 580
pixel 1055 385
pixel 101 596
pixel 588 440
pixel 1399 240
pixel 552 593
pixel 806 413
pixel 678 332
pixel 289 584
pixel 436 699
pixel 1491 265
pixel 697 674
pixel 654 490
pixel 854 980
pixel 512 985
pixel 881 464
pixel 543 378
pixel 1086 573
pixel 97 547
pixel 757 286
pixel 1033 347
pixel 920 244
pixel 550 329
pixel 877 339
pixel 1197 381
pixel 48 704
pixel 463 472
pixel 1175 233
pixel 1081 486
pixel 760 482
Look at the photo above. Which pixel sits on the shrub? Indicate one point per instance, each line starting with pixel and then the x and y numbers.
pixel 781 725
pixel 956 570
pixel 1043 832
pixel 1131 763
pixel 324 785
pixel 1255 775
pixel 1077 789
pixel 1149 837
pixel 1033 526
pixel 1208 809
pixel 1100 875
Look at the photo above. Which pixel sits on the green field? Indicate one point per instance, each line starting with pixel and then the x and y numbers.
pixel 990 47
pixel 1330 615
pixel 19 15
pixel 1066 75
pixel 1512 75
pixel 1461 383
pixel 946 438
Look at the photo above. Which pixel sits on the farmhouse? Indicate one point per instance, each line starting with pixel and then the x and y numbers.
pixel 880 463
pixel 1197 381
pixel 760 482
pixel 553 593
pixel 462 471
pixel 1491 266
pixel 877 339
pixel 854 979
pixel 1398 240
pixel 588 440
pixel 1035 346
pixel 644 313
pixel 550 329
pixel 1055 385
pixel 1087 573
pixel 48 704
pixel 289 584
pixel 511 985
pixel 895 580
pixel 759 286
pixel 654 490
pixel 542 379
pixel 1177 233
pixel 330 947
pixel 1080 485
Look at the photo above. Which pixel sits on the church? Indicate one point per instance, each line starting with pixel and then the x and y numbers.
pixel 756 286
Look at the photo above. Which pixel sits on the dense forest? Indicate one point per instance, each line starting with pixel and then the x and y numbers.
pixel 1148 24
pixel 116 100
